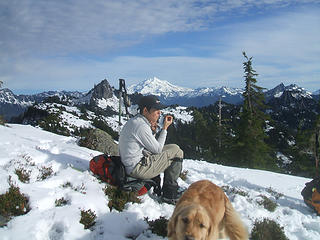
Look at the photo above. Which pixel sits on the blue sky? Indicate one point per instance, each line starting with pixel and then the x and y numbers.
pixel 72 45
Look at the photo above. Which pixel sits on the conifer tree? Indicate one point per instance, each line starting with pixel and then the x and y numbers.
pixel 251 149
pixel 315 143
pixel 306 151
pixel 201 137
pixel 1 117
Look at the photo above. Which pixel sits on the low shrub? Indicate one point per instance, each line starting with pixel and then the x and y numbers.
pixel 274 193
pixel 267 203
pixel 23 174
pixel 88 218
pixel 2 121
pixel 118 198
pixel 61 202
pixel 13 202
pixel 232 190
pixel 45 172
pixel 80 189
pixel 267 229
pixel 67 185
pixel 158 226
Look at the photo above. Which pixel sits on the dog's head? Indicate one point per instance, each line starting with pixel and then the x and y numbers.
pixel 190 222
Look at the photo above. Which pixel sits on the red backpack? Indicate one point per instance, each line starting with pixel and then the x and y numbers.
pixel 109 168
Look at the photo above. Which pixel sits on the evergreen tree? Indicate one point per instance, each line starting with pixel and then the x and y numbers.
pixel 182 134
pixel 251 149
pixel 202 135
pixel 218 135
pixel 316 144
pixel 2 121
pixel 306 151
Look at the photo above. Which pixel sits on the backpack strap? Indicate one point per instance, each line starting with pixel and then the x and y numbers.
pixel 104 167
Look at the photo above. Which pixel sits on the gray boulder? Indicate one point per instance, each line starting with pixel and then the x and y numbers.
pixel 99 140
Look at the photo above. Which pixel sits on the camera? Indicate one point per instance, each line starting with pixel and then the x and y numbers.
pixel 168 118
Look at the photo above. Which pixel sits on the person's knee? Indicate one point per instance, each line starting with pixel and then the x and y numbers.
pixel 177 150
pixel 179 153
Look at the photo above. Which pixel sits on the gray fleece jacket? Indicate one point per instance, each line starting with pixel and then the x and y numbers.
pixel 136 138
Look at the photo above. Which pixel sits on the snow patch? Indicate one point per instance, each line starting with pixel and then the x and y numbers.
pixel 33 148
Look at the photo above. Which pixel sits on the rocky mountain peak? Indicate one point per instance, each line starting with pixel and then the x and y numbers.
pixel 102 90
pixel 6 95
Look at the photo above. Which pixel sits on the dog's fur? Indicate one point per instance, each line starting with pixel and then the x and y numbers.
pixel 204 212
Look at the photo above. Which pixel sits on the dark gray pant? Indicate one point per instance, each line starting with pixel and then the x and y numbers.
pixel 168 161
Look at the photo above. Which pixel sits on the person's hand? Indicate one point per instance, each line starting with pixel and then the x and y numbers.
pixel 154 126
pixel 167 121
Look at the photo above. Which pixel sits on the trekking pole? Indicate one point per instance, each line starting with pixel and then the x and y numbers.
pixel 120 102
pixel 123 96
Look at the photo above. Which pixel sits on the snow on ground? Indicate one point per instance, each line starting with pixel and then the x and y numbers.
pixel 34 149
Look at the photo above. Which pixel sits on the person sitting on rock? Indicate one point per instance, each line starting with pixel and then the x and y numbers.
pixel 145 156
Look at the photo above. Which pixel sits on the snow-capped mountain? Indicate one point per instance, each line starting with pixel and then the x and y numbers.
pixel 11 105
pixel 275 92
pixel 293 90
pixel 289 96
pixel 172 94
pixel 158 87
pixel 291 105
pixel 7 96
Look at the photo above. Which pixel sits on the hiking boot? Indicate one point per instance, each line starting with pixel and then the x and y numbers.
pixel 170 194
pixel 157 191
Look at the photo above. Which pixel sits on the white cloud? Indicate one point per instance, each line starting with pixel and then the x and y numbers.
pixel 62 27
pixel 37 39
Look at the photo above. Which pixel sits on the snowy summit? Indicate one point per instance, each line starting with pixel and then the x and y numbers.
pixel 33 149
pixel 158 87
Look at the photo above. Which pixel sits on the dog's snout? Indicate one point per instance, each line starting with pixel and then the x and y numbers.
pixel 189 238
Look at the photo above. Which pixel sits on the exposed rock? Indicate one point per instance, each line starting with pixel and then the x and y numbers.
pixel 101 141
pixel 102 90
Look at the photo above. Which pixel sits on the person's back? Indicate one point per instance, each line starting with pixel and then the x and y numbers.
pixel 136 136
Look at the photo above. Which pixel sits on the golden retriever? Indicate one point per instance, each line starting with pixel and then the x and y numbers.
pixel 204 212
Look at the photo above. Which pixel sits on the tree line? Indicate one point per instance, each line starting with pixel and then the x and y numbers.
pixel 247 136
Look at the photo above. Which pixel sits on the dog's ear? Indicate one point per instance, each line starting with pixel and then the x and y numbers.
pixel 172 226
pixel 209 231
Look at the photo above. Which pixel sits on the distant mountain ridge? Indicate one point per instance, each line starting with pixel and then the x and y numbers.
pixel 170 94
pixel 12 105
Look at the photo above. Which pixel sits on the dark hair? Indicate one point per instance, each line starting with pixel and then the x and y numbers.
pixel 141 109
pixel 149 102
